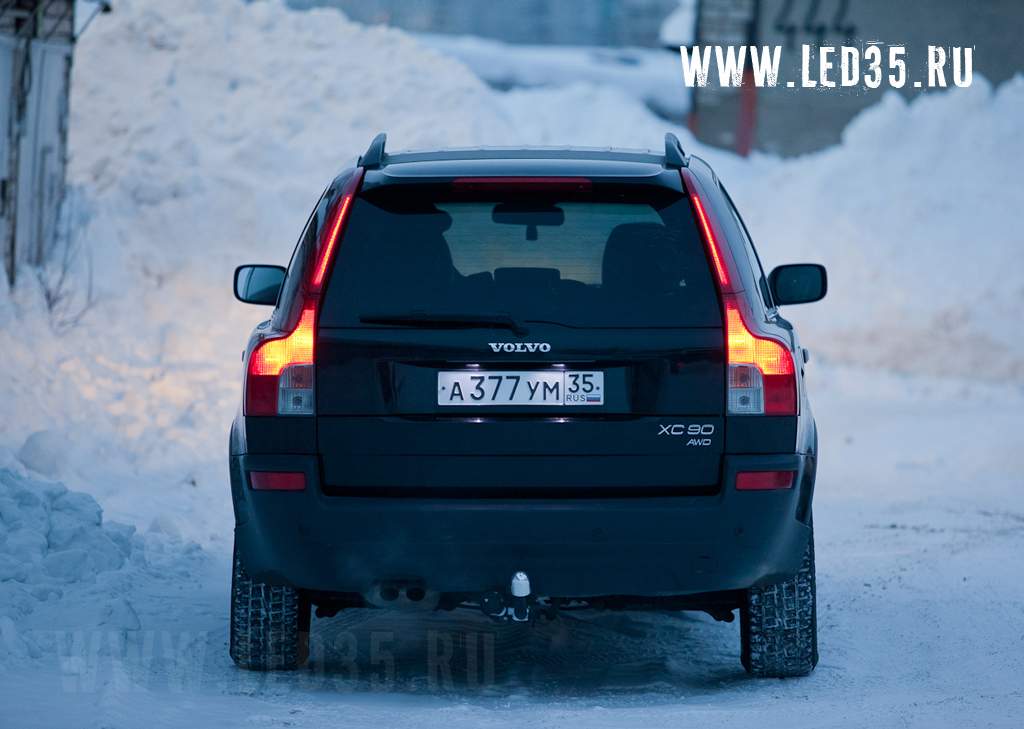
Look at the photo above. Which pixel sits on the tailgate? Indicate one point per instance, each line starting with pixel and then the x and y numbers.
pixel 382 430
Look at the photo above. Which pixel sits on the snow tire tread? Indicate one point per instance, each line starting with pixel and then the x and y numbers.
pixel 264 623
pixel 779 625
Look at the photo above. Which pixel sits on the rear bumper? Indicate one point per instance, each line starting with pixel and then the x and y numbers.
pixel 569 547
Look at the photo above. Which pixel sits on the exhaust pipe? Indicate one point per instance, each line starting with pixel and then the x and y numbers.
pixel 404 595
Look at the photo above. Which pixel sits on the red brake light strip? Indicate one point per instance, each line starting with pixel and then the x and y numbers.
pixel 716 254
pixel 327 244
pixel 522 184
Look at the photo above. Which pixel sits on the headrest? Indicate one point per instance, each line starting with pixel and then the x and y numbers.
pixel 643 259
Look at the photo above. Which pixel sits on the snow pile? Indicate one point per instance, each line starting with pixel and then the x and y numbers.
pixel 652 76
pixel 680 27
pixel 917 216
pixel 50 537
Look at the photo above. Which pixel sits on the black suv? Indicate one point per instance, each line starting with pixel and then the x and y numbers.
pixel 525 380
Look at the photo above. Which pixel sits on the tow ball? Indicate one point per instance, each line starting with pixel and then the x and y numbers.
pixel 495 604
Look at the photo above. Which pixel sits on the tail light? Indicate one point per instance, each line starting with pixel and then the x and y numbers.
pixel 761 376
pixel 279 379
pixel 762 379
pixel 764 480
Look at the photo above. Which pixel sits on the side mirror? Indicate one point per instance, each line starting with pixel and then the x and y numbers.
pixel 798 283
pixel 258 284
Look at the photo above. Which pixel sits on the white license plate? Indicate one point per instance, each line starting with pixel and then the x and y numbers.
pixel 481 387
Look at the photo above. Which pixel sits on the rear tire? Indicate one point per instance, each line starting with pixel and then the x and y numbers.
pixel 264 623
pixel 778 625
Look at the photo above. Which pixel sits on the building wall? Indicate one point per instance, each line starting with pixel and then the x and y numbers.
pixel 565 22
pixel 35 63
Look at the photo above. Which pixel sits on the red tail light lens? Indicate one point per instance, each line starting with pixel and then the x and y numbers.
pixel 279 378
pixel 274 481
pixel 297 348
pixel 764 480
pixel 744 348
pixel 762 378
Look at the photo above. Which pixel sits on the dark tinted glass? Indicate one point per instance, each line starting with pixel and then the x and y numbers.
pixel 624 258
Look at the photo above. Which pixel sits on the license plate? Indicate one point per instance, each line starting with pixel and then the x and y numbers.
pixel 520 388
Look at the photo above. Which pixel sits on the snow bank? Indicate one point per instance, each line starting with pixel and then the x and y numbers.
pixel 680 27
pixel 652 76
pixel 50 534
pixel 50 538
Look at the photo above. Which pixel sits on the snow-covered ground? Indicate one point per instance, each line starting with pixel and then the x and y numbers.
pixel 202 132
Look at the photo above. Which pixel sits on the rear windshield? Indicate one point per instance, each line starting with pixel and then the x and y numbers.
pixel 624 258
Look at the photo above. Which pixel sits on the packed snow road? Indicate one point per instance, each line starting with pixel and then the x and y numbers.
pixel 919 521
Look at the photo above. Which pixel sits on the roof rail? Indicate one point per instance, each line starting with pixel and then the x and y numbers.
pixel 374 156
pixel 674 154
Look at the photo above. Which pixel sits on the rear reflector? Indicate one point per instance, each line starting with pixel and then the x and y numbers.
pixel 275 481
pixel 764 480
pixel 521 184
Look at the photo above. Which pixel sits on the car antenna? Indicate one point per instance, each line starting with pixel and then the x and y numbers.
pixel 374 157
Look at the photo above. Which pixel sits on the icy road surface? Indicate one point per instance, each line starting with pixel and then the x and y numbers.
pixel 919 519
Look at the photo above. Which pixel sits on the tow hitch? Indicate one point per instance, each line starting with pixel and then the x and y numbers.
pixel 497 606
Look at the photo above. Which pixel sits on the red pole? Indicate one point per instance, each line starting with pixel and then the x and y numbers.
pixel 746 124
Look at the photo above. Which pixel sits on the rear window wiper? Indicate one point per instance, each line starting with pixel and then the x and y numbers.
pixel 421 318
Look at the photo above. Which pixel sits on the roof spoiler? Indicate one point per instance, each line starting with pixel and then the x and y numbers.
pixel 674 154
pixel 374 157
